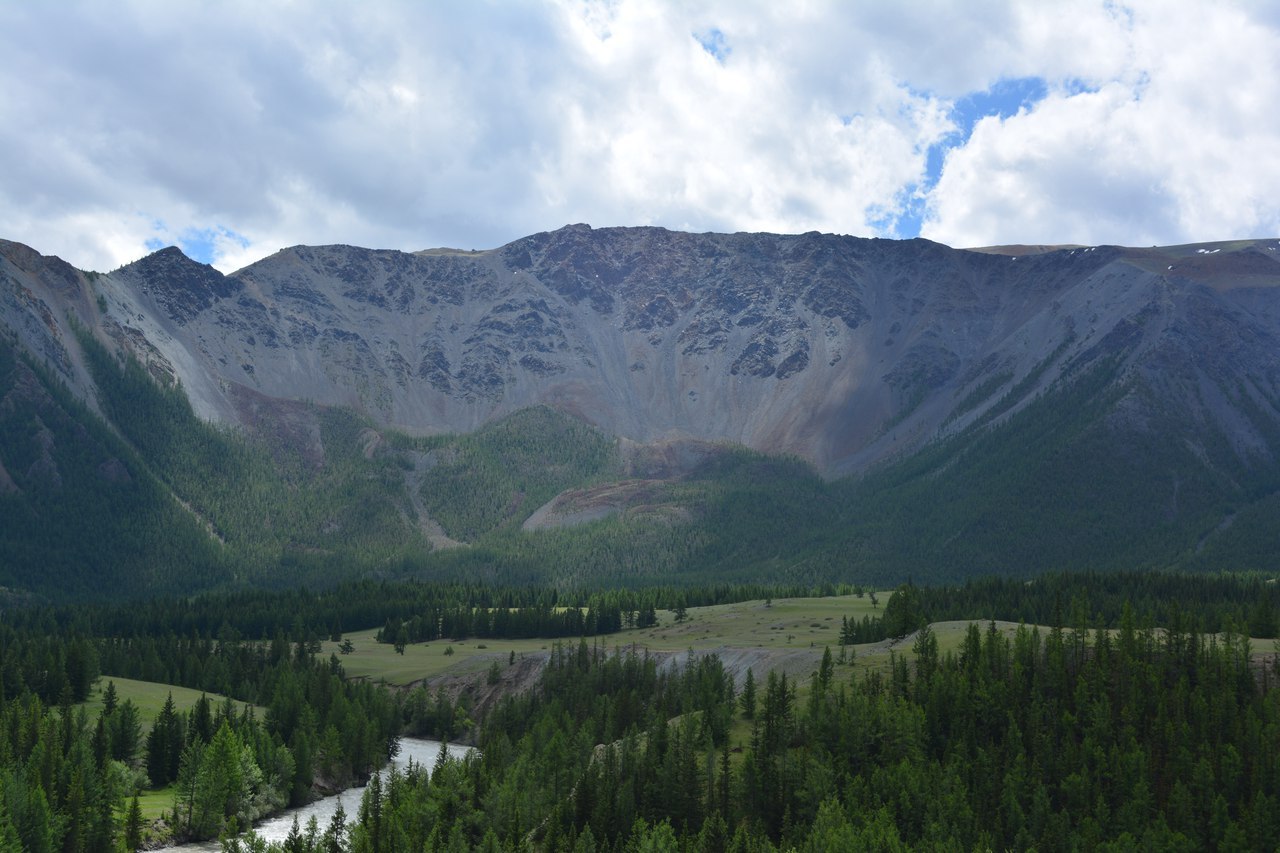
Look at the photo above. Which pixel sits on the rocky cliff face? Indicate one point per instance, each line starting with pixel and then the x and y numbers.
pixel 842 350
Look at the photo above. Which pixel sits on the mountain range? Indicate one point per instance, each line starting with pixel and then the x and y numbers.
pixel 723 405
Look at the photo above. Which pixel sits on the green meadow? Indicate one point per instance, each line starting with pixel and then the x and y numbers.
pixel 785 634
pixel 788 631
pixel 149 697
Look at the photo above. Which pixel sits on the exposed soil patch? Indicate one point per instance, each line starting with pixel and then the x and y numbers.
pixel 579 506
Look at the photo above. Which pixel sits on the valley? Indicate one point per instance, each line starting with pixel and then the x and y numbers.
pixel 724 692
pixel 706 542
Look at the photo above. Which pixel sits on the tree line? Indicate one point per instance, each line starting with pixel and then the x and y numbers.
pixel 306 615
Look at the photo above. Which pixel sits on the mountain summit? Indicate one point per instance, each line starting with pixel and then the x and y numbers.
pixel 1006 409
pixel 843 351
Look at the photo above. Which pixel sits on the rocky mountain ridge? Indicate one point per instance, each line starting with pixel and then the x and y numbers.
pixel 574 407
pixel 841 350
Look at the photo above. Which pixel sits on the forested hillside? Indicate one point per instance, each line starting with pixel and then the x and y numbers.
pixel 153 500
pixel 84 514
pixel 1054 488
pixel 1052 739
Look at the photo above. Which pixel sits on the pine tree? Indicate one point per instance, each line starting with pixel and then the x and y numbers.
pixel 10 842
pixel 164 746
pixel 200 725
pixel 133 825
pixel 184 797
pixel 109 699
pixel 124 731
pixel 826 670
pixel 335 835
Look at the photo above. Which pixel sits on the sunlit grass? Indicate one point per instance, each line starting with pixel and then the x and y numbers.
pixel 149 696
pixel 800 625
pixel 155 803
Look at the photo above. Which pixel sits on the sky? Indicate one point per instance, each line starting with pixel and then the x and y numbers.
pixel 236 128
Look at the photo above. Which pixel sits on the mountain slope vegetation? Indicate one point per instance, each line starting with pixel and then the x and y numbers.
pixel 1048 489
pixel 636 406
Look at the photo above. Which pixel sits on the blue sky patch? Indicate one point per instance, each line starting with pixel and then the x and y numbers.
pixel 1003 99
pixel 909 217
pixel 1076 86
pixel 199 244
pixel 714 43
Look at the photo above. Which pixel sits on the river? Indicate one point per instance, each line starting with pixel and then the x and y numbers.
pixel 277 828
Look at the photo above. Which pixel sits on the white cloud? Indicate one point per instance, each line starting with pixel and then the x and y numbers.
pixel 666 134
pixel 1173 149
pixel 410 125
pixel 1069 171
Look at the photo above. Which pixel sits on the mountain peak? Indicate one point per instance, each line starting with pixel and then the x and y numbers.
pixel 182 287
pixel 1129 392
pixel 844 350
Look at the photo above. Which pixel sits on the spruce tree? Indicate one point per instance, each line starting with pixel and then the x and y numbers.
pixel 133 825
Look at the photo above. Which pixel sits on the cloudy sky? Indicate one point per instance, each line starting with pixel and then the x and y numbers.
pixel 233 129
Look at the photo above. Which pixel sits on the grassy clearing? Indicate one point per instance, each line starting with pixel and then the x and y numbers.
pixel 787 634
pixel 149 696
pixel 156 802
pixel 779 624
pixel 797 625
pixel 380 662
